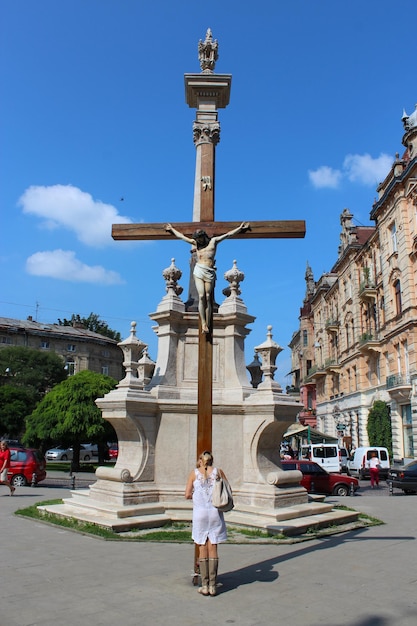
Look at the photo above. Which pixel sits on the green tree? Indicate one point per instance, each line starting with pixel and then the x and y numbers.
pixel 15 404
pixel 93 323
pixel 68 413
pixel 25 376
pixel 379 425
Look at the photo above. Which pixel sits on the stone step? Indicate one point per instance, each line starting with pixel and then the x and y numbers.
pixel 301 525
pixel 115 523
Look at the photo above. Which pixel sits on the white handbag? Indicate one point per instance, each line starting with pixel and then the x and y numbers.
pixel 222 497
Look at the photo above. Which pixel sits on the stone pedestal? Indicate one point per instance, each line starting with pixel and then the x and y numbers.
pixel 156 426
pixel 155 418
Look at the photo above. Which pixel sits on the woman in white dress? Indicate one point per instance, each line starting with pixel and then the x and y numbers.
pixel 209 527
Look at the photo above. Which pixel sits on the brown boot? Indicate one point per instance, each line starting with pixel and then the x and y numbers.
pixel 213 566
pixel 204 573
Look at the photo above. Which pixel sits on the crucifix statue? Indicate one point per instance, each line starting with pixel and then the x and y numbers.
pixel 204 270
pixel 207 92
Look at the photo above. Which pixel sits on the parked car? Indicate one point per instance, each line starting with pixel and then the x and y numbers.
pixel 113 451
pixel 26 465
pixel 404 477
pixel 317 480
pixel 62 453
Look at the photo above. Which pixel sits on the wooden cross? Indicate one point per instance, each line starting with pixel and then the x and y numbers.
pixel 260 230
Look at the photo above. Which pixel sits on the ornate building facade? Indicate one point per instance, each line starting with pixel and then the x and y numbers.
pixel 357 339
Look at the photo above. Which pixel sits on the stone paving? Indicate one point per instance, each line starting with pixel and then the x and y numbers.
pixel 52 576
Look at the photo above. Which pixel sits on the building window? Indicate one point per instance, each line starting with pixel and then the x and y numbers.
pixel 305 338
pixel 105 370
pixel 407 430
pixel 71 347
pixel 70 368
pixel 398 350
pixel 6 340
pixel 406 359
pixel 106 353
pixel 398 304
pixel 393 233
pixel 45 345
pixel 350 287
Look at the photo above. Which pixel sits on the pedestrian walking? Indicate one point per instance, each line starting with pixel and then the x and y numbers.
pixel 374 466
pixel 208 525
pixel 5 465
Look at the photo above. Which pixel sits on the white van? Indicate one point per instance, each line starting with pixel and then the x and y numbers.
pixel 357 464
pixel 325 454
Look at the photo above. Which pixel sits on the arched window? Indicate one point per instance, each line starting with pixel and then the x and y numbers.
pixel 397 289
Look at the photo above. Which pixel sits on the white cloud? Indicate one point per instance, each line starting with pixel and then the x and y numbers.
pixel 357 168
pixel 64 265
pixel 325 176
pixel 65 206
pixel 362 168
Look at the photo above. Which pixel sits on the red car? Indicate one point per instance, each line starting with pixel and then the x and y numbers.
pixel 26 465
pixel 113 452
pixel 317 480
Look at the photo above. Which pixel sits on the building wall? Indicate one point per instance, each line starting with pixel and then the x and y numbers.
pixel 364 319
pixel 80 349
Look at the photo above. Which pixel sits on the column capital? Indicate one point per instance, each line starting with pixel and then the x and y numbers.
pixel 206 132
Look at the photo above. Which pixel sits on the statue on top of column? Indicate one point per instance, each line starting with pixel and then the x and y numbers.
pixel 207 53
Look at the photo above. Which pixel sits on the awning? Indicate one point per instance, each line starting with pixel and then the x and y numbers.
pixel 315 436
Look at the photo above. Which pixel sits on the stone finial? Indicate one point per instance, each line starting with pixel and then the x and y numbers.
pixel 269 351
pixel 172 275
pixel 146 367
pixel 132 349
pixel 234 277
pixel 208 53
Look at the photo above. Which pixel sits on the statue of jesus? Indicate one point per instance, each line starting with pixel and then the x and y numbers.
pixel 204 270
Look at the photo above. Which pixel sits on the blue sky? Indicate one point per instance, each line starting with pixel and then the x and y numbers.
pixel 94 130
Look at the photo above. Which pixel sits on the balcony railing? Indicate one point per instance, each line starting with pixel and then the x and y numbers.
pixel 332 326
pixel 398 380
pixel 369 342
pixel 367 291
pixel 332 365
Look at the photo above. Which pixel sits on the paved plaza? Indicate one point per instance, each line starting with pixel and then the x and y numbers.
pixel 51 576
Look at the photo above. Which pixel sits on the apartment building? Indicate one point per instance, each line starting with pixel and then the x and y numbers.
pixel 357 338
pixel 79 348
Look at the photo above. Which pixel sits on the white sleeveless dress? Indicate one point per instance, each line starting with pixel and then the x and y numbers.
pixel 208 522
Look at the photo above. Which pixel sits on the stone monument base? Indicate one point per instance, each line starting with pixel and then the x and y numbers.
pixel 287 520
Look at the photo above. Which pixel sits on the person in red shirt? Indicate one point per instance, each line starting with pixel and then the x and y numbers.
pixel 4 466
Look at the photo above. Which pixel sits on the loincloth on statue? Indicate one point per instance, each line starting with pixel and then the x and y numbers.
pixel 208 274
